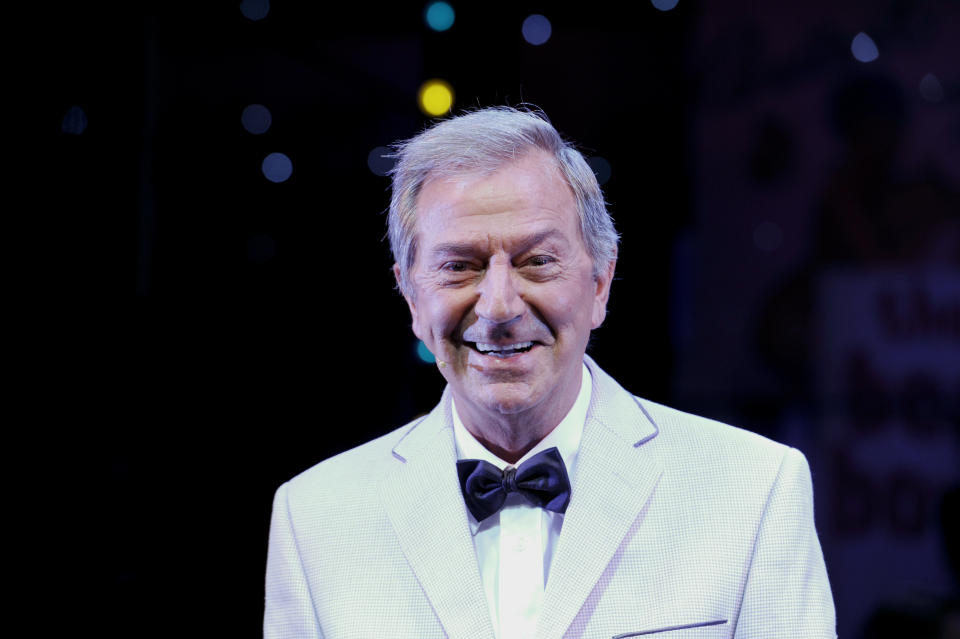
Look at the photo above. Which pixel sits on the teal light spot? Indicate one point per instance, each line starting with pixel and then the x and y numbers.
pixel 424 353
pixel 439 16
pixel 255 9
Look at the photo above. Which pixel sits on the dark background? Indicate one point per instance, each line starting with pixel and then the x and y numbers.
pixel 213 318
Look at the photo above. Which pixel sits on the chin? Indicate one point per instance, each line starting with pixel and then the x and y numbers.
pixel 508 399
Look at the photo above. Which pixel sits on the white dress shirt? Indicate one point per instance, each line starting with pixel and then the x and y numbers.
pixel 515 546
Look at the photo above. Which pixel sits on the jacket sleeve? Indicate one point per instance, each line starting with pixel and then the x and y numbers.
pixel 288 611
pixel 787 593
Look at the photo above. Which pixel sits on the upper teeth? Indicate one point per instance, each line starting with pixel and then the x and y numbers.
pixel 505 347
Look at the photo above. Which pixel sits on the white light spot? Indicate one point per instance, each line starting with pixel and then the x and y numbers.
pixel 378 162
pixel 864 49
pixel 536 29
pixel 255 9
pixel 664 5
pixel 768 236
pixel 256 119
pixel 277 167
pixel 931 89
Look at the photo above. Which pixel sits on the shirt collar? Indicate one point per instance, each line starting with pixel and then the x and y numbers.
pixel 566 436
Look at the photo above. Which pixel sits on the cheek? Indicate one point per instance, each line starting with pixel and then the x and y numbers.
pixel 570 305
pixel 441 317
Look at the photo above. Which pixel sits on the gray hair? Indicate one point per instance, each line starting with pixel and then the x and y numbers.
pixel 482 141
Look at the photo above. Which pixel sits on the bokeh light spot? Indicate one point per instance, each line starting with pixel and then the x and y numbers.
pixel 536 29
pixel 601 168
pixel 435 97
pixel 664 5
pixel 931 89
pixel 255 9
pixel 864 48
pixel 439 16
pixel 277 167
pixel 768 236
pixel 256 119
pixel 378 162
pixel 74 122
pixel 424 353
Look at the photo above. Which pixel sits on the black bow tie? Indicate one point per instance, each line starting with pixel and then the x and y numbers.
pixel 542 479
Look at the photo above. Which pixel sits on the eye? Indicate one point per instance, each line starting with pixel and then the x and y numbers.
pixel 539 260
pixel 455 267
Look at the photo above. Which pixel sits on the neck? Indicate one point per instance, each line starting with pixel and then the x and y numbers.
pixel 508 443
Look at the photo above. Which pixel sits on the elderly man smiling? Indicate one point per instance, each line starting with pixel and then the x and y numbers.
pixel 539 499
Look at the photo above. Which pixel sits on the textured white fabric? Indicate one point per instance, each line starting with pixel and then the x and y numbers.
pixel 514 582
pixel 675 522
pixel 520 587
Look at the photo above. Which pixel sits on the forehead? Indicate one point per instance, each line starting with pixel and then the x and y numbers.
pixel 523 196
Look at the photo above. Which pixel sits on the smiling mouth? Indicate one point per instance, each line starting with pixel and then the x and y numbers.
pixel 501 350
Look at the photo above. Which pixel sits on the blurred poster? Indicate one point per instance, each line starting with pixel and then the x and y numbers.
pixel 888 377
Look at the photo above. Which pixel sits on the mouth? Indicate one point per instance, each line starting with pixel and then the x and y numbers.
pixel 502 351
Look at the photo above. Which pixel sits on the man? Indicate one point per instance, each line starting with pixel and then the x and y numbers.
pixel 538 499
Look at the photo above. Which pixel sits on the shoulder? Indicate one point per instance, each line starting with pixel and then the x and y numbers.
pixel 714 451
pixel 689 445
pixel 349 474
pixel 697 431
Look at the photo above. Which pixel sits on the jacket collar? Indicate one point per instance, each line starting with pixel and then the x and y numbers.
pixel 613 482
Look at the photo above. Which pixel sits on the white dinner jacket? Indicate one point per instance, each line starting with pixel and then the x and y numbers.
pixel 678 527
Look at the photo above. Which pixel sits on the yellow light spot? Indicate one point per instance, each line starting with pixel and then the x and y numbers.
pixel 436 97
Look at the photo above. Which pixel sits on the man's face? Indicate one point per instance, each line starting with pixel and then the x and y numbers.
pixel 503 287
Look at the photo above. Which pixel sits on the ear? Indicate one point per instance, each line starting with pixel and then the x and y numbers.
pixel 602 293
pixel 411 304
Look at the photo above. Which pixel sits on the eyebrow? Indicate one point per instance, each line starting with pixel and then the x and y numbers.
pixel 459 248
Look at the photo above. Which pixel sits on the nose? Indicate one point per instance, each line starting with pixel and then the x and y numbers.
pixel 500 297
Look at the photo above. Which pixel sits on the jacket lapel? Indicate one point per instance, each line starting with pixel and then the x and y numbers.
pixel 613 481
pixel 423 501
